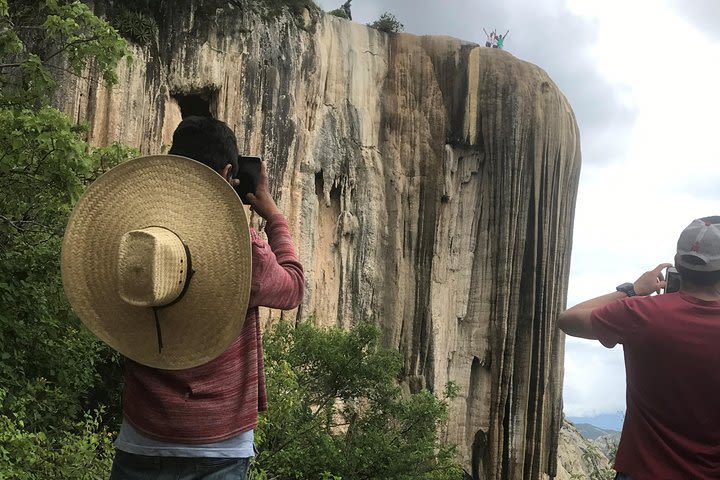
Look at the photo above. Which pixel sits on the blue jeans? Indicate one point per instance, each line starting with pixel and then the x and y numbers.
pixel 129 466
pixel 622 476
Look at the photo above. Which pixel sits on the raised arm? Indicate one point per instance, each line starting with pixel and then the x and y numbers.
pixel 278 280
pixel 278 277
pixel 575 321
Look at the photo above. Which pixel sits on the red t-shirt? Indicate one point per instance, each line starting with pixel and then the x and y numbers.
pixel 672 360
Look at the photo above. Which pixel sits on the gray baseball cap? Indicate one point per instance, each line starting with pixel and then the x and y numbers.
pixel 698 247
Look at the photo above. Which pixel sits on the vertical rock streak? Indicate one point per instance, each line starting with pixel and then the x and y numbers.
pixel 430 185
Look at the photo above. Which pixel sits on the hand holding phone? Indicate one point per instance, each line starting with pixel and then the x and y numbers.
pixel 262 201
pixel 672 279
pixel 249 176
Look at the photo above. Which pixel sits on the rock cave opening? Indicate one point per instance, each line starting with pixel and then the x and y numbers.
pixel 202 103
pixel 334 193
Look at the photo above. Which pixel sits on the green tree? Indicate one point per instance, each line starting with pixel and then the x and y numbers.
pixel 336 411
pixel 51 385
pixel 338 12
pixel 387 23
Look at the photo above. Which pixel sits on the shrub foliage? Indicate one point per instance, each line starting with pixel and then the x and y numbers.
pixel 51 390
pixel 387 23
pixel 338 12
pixel 336 411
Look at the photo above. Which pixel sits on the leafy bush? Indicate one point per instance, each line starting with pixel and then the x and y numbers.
pixel 49 361
pixel 138 27
pixel 338 12
pixel 52 371
pixel 387 23
pixel 336 411
pixel 82 450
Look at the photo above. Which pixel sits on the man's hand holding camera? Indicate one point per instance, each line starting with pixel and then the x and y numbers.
pixel 261 201
pixel 651 281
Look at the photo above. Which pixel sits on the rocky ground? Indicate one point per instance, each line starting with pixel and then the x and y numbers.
pixel 582 459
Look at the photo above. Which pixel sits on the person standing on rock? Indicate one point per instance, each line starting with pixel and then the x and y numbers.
pixel 182 306
pixel 490 38
pixel 671 344
pixel 500 40
pixel 346 8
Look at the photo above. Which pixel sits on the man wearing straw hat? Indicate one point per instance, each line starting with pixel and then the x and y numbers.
pixel 159 262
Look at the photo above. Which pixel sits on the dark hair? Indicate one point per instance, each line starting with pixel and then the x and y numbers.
pixel 207 140
pixel 699 279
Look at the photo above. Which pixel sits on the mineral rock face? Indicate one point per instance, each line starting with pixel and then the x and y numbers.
pixel 430 185
pixel 582 458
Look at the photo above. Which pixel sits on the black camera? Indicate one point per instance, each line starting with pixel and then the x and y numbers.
pixel 672 277
pixel 249 176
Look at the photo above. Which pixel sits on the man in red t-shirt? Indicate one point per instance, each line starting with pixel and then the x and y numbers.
pixel 672 361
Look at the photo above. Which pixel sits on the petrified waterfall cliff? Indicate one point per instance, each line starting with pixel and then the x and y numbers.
pixel 430 185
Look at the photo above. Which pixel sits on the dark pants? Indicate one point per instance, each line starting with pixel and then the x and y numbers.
pixel 128 466
pixel 622 476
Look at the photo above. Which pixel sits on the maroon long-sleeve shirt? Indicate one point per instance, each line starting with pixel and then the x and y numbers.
pixel 220 399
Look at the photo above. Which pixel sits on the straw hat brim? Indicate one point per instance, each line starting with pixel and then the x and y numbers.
pixel 197 204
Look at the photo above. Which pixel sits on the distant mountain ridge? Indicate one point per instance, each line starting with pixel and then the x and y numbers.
pixel 605 421
pixel 591 432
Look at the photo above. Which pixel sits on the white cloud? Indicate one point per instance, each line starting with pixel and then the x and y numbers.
pixel 594 379
pixel 703 14
pixel 630 212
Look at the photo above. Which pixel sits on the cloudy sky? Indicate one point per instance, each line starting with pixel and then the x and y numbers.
pixel 643 77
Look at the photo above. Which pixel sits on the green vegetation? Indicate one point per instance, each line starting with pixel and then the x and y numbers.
pixel 336 411
pixel 338 12
pixel 387 23
pixel 135 20
pixel 81 450
pixel 138 27
pixel 51 385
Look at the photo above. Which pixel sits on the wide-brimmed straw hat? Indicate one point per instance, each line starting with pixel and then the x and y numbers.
pixel 156 261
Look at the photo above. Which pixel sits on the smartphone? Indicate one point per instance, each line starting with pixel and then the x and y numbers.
pixel 249 176
pixel 672 277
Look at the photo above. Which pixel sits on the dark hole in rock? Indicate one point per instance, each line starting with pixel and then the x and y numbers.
pixel 202 103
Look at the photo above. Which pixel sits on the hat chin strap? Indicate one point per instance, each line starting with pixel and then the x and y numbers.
pixel 154 270
pixel 188 276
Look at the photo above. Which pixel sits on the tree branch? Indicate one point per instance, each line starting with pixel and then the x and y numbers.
pixel 71 44
pixel 70 72
pixel 20 225
pixel 306 430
